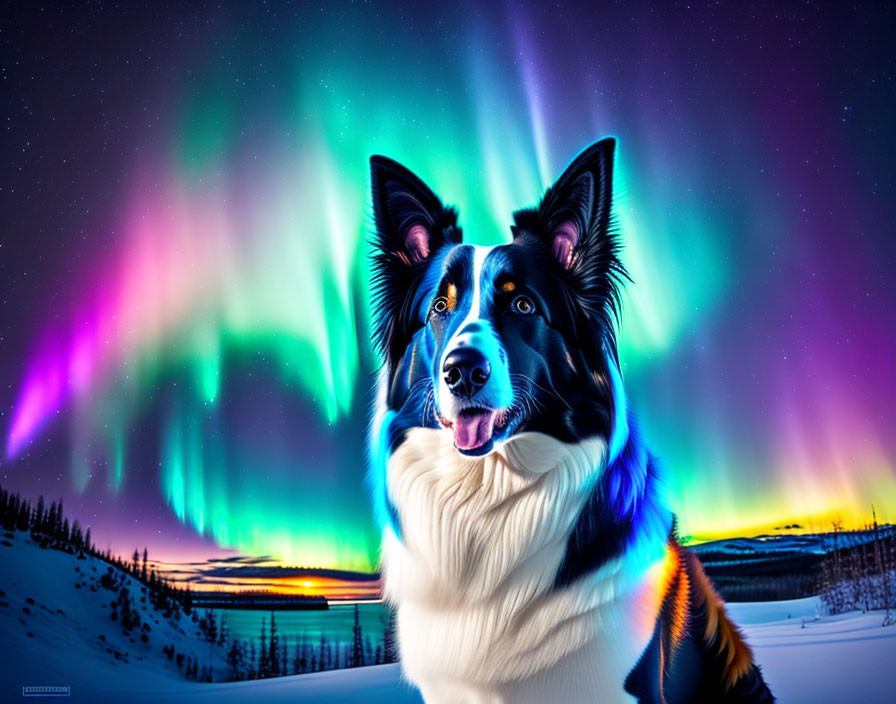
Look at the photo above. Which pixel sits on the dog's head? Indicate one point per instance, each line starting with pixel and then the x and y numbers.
pixel 487 342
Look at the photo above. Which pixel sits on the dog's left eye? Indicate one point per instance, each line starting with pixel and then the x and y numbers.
pixel 522 305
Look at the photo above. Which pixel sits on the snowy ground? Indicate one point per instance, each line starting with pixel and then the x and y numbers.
pixel 56 631
pixel 836 659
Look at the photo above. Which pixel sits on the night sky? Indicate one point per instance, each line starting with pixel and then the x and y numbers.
pixel 183 287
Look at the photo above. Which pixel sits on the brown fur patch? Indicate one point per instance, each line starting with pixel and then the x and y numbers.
pixel 675 611
pixel 720 631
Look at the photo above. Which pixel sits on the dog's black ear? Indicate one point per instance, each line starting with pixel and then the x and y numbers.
pixel 412 225
pixel 574 224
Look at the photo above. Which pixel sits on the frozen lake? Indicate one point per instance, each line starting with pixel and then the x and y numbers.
pixel 335 624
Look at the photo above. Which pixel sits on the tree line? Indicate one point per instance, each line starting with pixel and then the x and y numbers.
pixel 271 655
pixel 861 574
pixel 49 527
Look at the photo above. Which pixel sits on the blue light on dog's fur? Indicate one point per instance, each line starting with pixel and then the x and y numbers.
pixel 384 510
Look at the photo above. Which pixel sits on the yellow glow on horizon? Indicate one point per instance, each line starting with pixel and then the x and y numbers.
pixel 794 525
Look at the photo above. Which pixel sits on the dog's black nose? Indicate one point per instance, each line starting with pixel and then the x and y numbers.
pixel 466 370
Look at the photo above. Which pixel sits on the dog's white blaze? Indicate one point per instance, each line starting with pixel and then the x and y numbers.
pixel 479 256
pixel 482 538
pixel 475 311
pixel 498 392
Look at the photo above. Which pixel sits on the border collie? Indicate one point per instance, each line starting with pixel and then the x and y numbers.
pixel 526 544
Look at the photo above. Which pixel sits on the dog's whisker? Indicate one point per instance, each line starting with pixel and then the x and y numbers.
pixel 553 392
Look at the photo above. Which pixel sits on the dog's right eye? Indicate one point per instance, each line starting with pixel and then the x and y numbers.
pixel 440 305
pixel 445 303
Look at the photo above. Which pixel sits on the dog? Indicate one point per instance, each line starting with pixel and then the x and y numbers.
pixel 526 545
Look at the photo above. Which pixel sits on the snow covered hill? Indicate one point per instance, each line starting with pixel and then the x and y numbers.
pixel 56 630
pixel 57 626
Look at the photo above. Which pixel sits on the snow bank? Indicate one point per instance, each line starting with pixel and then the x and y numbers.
pixel 835 659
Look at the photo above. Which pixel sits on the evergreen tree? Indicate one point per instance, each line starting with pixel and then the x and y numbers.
pixel 209 627
pixel 388 618
pixel 251 672
pixel 12 513
pixel 39 516
pixel 235 661
pixel 274 649
pixel 24 520
pixel 322 658
pixel 368 650
pixel 357 641
pixel 7 510
pixel 883 568
pixel 891 554
pixel 297 659
pixel 263 649
pixel 223 633
pixel 130 617
pixel 301 664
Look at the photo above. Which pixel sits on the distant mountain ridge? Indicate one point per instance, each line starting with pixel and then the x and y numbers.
pixel 813 543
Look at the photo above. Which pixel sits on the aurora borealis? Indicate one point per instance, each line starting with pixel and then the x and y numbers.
pixel 186 352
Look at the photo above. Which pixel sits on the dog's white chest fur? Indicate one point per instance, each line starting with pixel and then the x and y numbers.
pixel 472 575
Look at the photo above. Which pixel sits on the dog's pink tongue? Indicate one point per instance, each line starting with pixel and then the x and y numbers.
pixel 472 430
